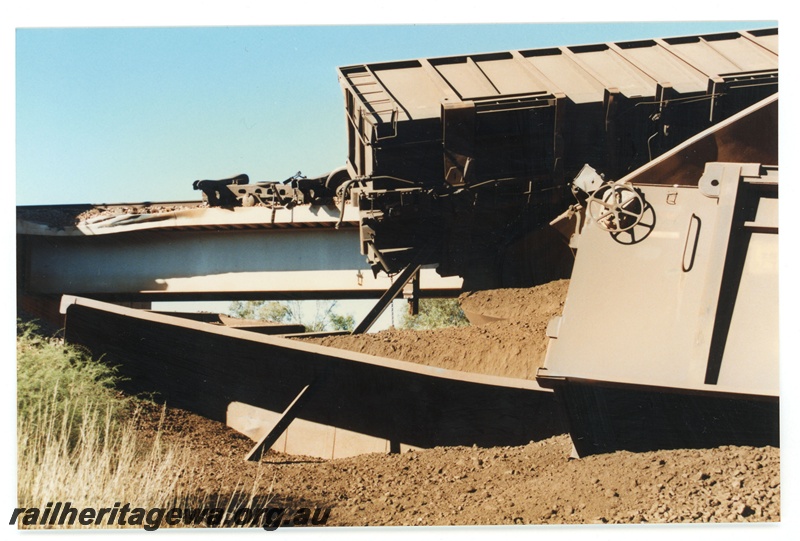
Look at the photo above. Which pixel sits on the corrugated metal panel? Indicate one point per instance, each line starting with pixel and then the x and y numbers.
pixel 567 75
pixel 613 71
pixel 412 87
pixel 663 66
pixel 466 78
pixel 766 38
pixel 395 108
pixel 729 53
pixel 748 56
pixel 697 52
pixel 510 76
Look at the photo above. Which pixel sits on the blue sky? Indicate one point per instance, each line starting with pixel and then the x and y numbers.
pixel 107 115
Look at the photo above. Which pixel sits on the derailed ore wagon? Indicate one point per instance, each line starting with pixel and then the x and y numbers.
pixel 463 163
pixel 469 157
pixel 669 334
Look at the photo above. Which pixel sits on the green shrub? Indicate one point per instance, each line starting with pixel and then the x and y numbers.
pixel 435 314
pixel 79 440
pixel 63 382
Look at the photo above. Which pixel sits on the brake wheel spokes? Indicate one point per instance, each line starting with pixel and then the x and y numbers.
pixel 615 207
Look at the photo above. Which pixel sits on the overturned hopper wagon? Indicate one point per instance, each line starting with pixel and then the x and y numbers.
pixel 466 158
pixel 669 334
pixel 462 161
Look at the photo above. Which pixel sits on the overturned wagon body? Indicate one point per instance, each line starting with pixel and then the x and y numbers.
pixel 474 151
pixel 668 336
pixel 669 333
pixel 306 399
pixel 546 112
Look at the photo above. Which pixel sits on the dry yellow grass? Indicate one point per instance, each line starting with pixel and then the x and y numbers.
pixel 78 442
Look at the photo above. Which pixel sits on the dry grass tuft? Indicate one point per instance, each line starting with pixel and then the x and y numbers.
pixel 78 440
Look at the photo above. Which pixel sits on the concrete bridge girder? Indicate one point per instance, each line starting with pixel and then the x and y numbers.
pixel 208 256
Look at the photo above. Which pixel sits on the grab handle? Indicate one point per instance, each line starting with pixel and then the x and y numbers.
pixel 692 236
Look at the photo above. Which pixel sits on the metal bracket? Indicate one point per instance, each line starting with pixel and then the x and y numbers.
pixel 409 272
pixel 289 414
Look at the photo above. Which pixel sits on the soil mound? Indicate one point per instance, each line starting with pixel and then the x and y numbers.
pixel 514 345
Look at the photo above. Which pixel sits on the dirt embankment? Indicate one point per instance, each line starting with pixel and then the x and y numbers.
pixel 536 483
pixel 513 346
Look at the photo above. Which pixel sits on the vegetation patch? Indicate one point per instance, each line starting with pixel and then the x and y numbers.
pixel 81 441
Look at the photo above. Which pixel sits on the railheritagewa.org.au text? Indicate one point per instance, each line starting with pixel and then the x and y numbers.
pixel 63 514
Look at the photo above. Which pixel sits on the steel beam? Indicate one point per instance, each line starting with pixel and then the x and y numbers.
pixel 386 299
pixel 359 402
pixel 272 435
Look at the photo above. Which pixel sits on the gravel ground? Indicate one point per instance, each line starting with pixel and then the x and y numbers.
pixel 533 484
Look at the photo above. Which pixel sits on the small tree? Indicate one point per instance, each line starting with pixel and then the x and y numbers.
pixel 434 314
pixel 339 322
pixel 324 317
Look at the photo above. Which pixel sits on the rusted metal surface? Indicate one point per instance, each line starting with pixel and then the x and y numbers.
pixel 604 418
pixel 210 369
pixel 475 151
pixel 391 105
pixel 750 136
pixel 263 327
pixel 660 287
pixel 386 299
pixel 296 190
pixel 669 334
pixel 287 417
